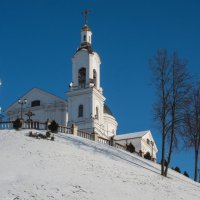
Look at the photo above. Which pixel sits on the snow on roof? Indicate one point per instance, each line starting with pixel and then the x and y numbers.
pixel 131 135
pixel 36 89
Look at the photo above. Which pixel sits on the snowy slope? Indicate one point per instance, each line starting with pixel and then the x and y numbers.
pixel 75 168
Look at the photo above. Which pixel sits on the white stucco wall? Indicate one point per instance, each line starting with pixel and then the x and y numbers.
pixel 140 142
pixel 74 101
pixel 51 107
pixel 110 125
pixel 82 59
pixel 151 147
pixel 90 98
pixel 136 142
pixel 88 35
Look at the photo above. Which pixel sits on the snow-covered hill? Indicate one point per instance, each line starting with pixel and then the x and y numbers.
pixel 75 168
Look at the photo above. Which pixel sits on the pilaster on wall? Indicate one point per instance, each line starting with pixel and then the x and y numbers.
pixel 74 129
pixel 141 153
pixel 96 138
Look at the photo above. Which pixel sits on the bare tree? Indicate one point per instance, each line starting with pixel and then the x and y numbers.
pixel 178 100
pixel 170 80
pixel 192 125
pixel 160 68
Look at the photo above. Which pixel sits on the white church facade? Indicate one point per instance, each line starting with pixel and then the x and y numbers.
pixel 85 105
pixel 43 106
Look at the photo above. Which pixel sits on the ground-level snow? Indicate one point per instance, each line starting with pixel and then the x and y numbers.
pixel 75 168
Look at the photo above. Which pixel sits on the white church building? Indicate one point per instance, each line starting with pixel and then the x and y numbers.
pixel 85 105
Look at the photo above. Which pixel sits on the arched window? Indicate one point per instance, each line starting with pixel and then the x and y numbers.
pixel 84 38
pixel 97 113
pixel 147 156
pixel 95 77
pixel 148 141
pixel 35 103
pixel 82 77
pixel 80 111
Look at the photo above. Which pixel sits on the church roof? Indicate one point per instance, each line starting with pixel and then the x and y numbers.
pixel 86 46
pixel 37 90
pixel 131 135
pixel 86 28
pixel 107 110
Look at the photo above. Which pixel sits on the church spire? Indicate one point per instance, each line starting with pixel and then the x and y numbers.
pixel 86 33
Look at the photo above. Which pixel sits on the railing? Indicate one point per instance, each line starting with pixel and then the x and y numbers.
pixel 120 146
pixel 34 125
pixel 6 125
pixel 86 135
pixel 64 129
pixel 104 140
pixel 25 125
pixel 111 142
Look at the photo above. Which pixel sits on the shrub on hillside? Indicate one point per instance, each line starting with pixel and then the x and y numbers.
pixel 186 174
pixel 17 124
pixel 130 147
pixel 40 135
pixel 50 135
pixel 30 134
pixel 52 138
pixel 147 156
pixel 53 127
pixel 177 169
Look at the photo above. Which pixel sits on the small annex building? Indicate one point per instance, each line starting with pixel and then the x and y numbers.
pixel 142 141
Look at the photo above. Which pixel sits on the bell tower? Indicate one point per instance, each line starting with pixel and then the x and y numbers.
pixel 85 95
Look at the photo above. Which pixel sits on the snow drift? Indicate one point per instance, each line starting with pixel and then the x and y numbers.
pixel 75 168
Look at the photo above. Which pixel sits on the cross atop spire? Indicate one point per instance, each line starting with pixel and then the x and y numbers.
pixel 85 13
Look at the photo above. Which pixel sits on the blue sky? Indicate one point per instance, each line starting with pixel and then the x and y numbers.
pixel 39 37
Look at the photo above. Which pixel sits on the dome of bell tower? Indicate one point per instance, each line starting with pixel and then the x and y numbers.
pixel 86 28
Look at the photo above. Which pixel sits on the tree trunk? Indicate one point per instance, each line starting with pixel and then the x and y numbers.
pixel 164 111
pixel 196 164
pixel 170 152
pixel 163 156
pixel 172 132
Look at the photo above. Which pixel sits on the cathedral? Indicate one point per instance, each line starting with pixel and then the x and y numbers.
pixel 85 105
